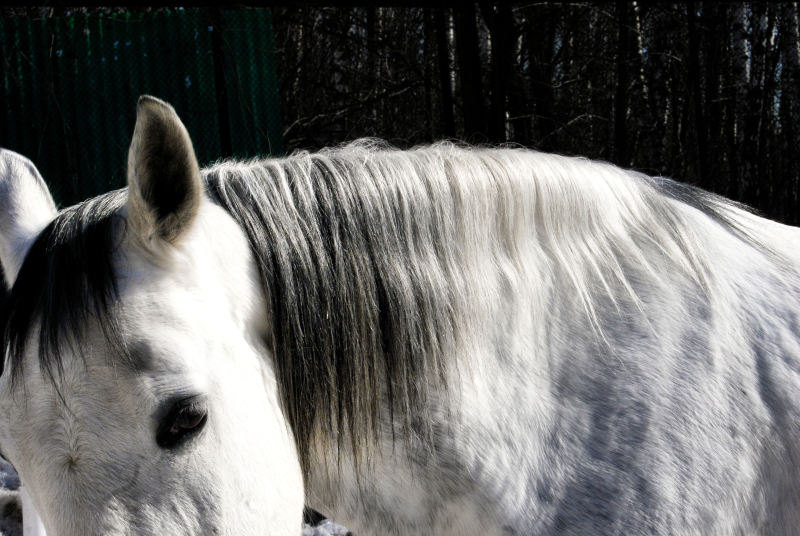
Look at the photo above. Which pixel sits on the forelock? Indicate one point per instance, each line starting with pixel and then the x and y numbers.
pixel 66 280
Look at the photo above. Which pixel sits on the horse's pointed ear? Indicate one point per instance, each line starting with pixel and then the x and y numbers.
pixel 164 185
pixel 26 208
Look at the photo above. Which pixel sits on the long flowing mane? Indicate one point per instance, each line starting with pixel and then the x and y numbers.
pixel 373 261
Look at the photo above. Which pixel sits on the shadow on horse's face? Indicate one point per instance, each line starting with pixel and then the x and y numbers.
pixel 173 425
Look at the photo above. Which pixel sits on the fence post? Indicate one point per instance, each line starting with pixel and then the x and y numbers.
pixel 218 55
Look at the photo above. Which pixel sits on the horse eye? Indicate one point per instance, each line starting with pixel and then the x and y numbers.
pixel 184 420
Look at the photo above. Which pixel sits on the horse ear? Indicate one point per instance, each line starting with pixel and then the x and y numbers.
pixel 26 207
pixel 164 186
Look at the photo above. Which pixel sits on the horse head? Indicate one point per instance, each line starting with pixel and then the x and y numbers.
pixel 136 397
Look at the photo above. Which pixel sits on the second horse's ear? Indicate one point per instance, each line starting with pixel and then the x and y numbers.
pixel 26 208
pixel 164 185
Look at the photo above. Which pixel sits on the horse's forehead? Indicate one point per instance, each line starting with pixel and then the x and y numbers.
pixel 167 308
pixel 215 246
pixel 211 274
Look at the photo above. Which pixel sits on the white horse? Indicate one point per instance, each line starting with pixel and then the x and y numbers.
pixel 443 341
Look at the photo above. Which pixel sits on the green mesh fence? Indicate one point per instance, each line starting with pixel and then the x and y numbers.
pixel 70 85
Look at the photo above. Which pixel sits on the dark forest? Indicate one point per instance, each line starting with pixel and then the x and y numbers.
pixel 703 92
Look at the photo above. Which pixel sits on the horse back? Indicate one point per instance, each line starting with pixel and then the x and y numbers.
pixel 677 413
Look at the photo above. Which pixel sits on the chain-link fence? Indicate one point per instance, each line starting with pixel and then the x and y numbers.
pixel 70 81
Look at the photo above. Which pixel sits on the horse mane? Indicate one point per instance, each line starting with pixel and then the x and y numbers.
pixel 368 254
pixel 372 259
pixel 362 282
pixel 67 276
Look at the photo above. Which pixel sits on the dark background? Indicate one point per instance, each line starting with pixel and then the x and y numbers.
pixel 71 78
pixel 704 92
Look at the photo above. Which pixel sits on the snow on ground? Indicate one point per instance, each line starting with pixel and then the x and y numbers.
pixel 10 510
pixel 326 528
pixel 11 513
pixel 8 476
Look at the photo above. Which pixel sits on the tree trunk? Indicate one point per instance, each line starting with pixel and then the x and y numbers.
pixel 519 100
pixel 752 104
pixel 373 75
pixel 541 47
pixel 427 58
pixel 712 20
pixel 787 189
pixel 696 146
pixel 622 83
pixel 500 24
pixel 469 63
pixel 736 88
pixel 448 128
pixel 765 187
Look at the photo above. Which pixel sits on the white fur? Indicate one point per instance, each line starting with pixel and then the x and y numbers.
pixel 31 522
pixel 626 365
pixel 26 207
